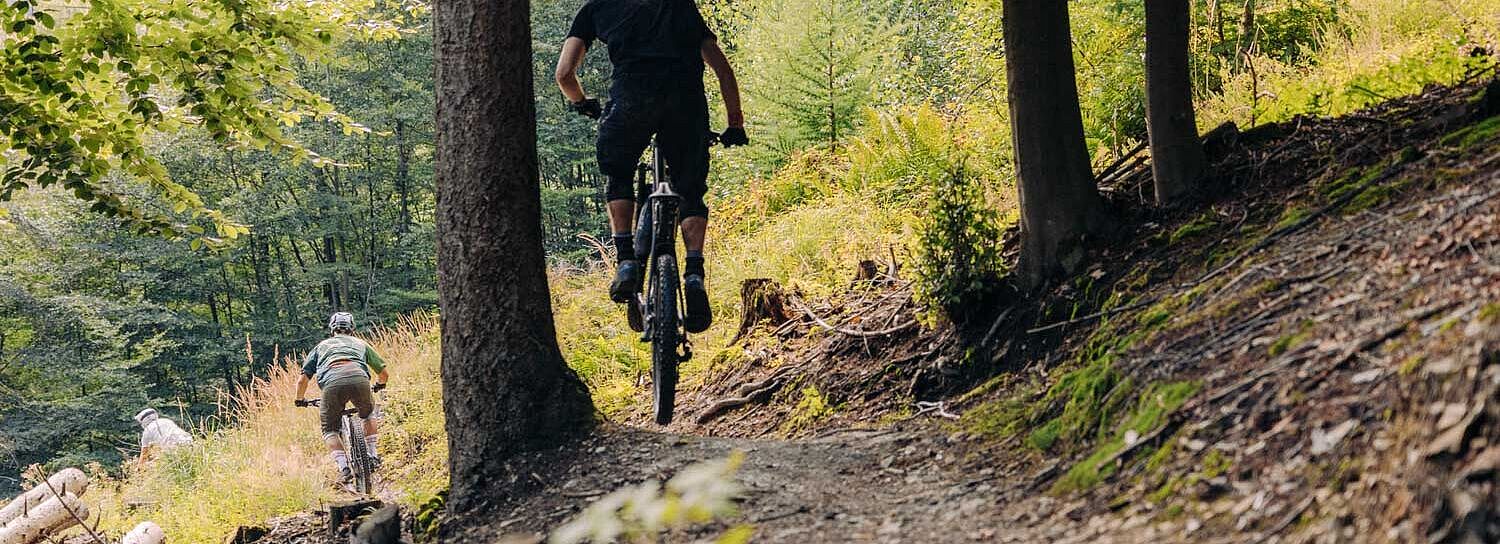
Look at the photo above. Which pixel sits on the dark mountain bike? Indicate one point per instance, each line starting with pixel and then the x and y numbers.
pixel 361 463
pixel 658 312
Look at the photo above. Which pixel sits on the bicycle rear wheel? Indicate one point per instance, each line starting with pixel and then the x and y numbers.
pixel 665 336
pixel 359 454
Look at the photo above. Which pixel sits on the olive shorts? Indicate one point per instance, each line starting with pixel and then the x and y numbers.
pixel 338 393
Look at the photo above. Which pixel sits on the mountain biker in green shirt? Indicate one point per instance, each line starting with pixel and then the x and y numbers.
pixel 343 365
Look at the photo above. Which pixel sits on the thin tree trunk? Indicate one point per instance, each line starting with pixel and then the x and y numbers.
pixel 403 180
pixel 506 387
pixel 1246 43
pixel 1177 158
pixel 1059 203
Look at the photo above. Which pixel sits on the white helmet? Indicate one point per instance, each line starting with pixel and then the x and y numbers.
pixel 341 321
pixel 146 416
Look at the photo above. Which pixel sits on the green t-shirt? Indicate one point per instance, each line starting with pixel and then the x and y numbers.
pixel 341 347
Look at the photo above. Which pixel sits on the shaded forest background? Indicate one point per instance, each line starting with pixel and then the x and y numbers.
pixel 860 120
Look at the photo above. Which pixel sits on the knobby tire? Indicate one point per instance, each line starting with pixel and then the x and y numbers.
pixel 664 337
pixel 359 454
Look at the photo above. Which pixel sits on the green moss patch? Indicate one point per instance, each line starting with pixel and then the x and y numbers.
pixel 1289 341
pixel 1482 132
pixel 1150 412
pixel 1195 228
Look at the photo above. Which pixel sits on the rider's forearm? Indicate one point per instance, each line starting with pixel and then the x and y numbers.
pixel 729 87
pixel 731 91
pixel 568 62
pixel 301 386
pixel 570 86
pixel 383 376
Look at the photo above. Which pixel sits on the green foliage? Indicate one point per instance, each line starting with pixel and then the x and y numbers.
pixel 808 411
pixel 958 259
pixel 84 90
pixel 811 67
pixel 98 321
pixel 1330 58
pixel 903 154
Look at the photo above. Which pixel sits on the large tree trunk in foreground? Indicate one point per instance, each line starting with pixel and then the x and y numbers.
pixel 1059 203
pixel 1177 158
pixel 505 386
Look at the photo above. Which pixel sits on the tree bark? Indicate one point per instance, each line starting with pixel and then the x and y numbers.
pixel 1177 158
pixel 1059 203
pixel 1246 42
pixel 506 387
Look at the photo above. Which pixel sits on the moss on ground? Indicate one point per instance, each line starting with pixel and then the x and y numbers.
pixel 1194 228
pixel 1150 412
pixel 1291 340
pixel 1482 132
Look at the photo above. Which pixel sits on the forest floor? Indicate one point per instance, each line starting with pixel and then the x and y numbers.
pixel 1313 355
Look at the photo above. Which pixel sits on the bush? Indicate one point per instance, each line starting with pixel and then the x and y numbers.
pixel 958 252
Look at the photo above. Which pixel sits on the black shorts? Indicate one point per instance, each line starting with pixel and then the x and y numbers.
pixel 674 109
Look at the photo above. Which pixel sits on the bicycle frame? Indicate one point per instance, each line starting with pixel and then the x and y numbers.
pixel 657 202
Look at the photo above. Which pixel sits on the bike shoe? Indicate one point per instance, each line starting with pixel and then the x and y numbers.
pixel 345 475
pixel 627 282
pixel 633 315
pixel 699 315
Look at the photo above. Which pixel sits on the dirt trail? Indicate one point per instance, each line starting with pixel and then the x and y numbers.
pixel 895 485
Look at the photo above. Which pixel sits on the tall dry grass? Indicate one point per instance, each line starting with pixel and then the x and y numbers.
pixel 262 457
pixel 1380 49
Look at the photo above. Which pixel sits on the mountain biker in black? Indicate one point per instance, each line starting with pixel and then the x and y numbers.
pixel 658 49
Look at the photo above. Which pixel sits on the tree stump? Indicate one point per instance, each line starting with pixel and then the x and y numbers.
pixel 382 527
pixel 761 299
pixel 345 513
pixel 48 518
pixel 247 535
pixel 68 480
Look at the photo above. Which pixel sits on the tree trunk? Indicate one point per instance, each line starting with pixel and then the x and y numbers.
pixel 1059 203
pixel 403 177
pixel 1246 43
pixel 506 387
pixel 1177 159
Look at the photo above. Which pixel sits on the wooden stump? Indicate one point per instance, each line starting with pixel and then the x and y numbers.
pixel 48 518
pixel 247 535
pixel 345 513
pixel 761 299
pixel 382 527
pixel 68 480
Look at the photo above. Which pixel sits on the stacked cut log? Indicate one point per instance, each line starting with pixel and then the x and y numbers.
pixel 46 509
pixel 145 533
